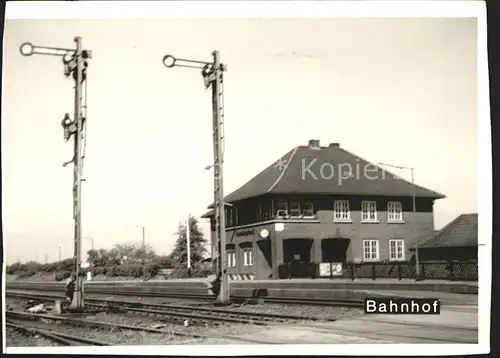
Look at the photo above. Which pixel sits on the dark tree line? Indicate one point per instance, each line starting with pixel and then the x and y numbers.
pixel 130 260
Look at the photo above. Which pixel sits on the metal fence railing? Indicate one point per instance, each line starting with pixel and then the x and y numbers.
pixel 451 270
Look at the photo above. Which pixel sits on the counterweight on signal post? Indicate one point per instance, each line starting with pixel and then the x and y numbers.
pixel 75 63
pixel 212 73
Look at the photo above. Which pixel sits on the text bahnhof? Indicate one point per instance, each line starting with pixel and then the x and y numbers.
pixel 402 306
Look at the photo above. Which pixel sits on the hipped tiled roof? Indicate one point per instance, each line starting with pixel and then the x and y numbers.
pixel 308 170
pixel 460 232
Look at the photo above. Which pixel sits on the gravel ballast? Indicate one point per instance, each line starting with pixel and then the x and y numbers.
pixel 129 337
pixel 15 338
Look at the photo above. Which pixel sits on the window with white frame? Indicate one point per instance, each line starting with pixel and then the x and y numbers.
pixel 394 211
pixel 341 210
pixel 247 257
pixel 282 208
pixel 396 249
pixel 231 259
pixel 370 250
pixel 307 209
pixel 368 211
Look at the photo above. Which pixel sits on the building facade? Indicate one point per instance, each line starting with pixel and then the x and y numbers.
pixel 298 210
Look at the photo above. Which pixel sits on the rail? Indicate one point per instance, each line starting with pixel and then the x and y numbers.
pixel 97 324
pixel 66 339
pixel 348 303
pixel 196 314
pixel 62 338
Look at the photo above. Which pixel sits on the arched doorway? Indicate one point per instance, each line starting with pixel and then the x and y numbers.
pixel 297 256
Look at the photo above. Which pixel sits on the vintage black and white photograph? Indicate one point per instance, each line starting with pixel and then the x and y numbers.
pixel 225 180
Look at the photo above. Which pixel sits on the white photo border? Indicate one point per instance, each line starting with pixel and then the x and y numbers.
pixel 303 9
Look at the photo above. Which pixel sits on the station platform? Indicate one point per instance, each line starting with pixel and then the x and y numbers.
pixel 181 287
pixel 453 325
pixel 362 284
pixel 450 293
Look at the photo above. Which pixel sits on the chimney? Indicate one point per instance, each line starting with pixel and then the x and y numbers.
pixel 314 144
pixel 334 145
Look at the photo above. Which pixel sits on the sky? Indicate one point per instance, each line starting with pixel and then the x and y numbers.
pixel 401 91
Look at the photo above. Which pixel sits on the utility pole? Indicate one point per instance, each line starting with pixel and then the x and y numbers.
pixel 59 253
pixel 417 259
pixel 75 63
pixel 212 73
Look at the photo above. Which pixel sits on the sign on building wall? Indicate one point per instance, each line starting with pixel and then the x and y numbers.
pixel 245 232
pixel 337 268
pixel 325 269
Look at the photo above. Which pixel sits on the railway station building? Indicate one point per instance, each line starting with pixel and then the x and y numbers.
pixel 322 204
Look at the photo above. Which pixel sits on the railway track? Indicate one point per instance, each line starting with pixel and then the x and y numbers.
pixel 58 337
pixel 26 322
pixel 53 327
pixel 348 303
pixel 179 313
pixel 31 317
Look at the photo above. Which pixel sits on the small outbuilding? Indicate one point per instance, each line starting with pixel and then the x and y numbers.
pixel 457 241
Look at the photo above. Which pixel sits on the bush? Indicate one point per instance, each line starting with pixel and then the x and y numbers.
pixel 132 270
pixel 52 267
pixel 152 270
pixel 122 270
pixel 196 271
pixel 62 270
pixel 203 272
pixel 98 271
pixel 66 265
pixel 26 274
pixel 62 275
pixel 178 272
pixel 13 269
